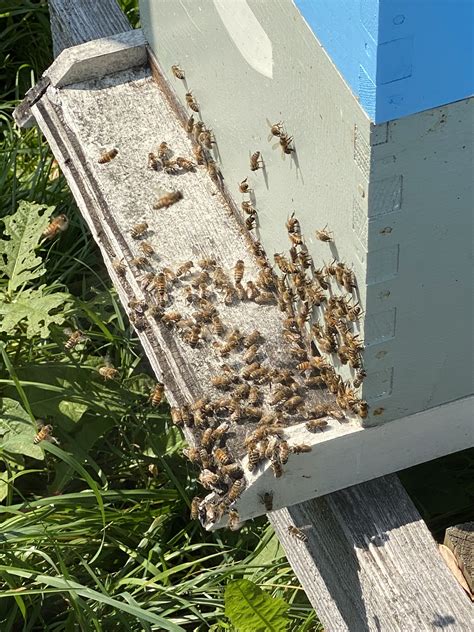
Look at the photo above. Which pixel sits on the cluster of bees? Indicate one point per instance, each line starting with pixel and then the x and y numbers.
pixel 247 390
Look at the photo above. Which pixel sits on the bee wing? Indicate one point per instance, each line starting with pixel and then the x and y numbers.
pixel 67 331
pixel 275 146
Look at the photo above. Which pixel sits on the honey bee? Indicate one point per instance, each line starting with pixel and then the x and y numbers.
pixel 199 155
pixel 213 170
pixel 191 101
pixel 196 501
pixel 297 533
pixel 107 156
pixel 137 305
pixel 297 240
pixel 359 378
pixel 139 262
pixel 108 372
pixel 254 396
pixel 119 267
pixel 239 270
pixel 44 434
pixel 193 336
pixel 354 312
pixel 284 452
pixel 156 396
pixel 276 129
pixel 192 454
pixel 220 431
pixel 315 381
pixel 294 403
pixel 176 416
pixel 222 456
pixel 171 318
pixel 74 339
pixel 233 470
pixel 244 186
pixel 218 325
pixel 206 138
pixel 282 262
pixel 282 393
pixel 253 459
pixel 237 488
pixel 242 391
pixel 207 438
pixel 285 143
pixel 208 479
pixel 316 424
pixel 348 280
pixel 267 500
pixel 362 409
pixel 168 200
pixel 185 164
pixel 300 448
pixel 138 230
pixel 177 71
pixel 340 271
pixel 146 248
pixel 234 520
pixel 250 222
pixel 190 124
pixel 153 161
pixel 324 235
pixel 255 161
pixel 276 468
pixel 160 284
pixel 292 224
pixel 265 298
pixel 222 382
pixel 57 225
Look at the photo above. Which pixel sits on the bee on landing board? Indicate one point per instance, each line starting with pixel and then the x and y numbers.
pixel 107 156
pixel 57 225
pixel 168 200
pixel 138 230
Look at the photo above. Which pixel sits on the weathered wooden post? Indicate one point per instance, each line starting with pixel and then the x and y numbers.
pixel 347 162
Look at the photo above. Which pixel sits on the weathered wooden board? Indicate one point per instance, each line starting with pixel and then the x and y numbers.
pixel 370 563
pixel 460 539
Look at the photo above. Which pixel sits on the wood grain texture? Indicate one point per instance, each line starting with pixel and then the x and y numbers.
pixel 460 539
pixel 74 22
pixel 370 563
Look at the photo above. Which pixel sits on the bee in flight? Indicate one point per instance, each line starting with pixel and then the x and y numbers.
pixel 75 337
pixel 44 433
pixel 57 225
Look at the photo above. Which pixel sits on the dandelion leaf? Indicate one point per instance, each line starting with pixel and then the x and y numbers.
pixel 250 609
pixel 16 430
pixel 22 233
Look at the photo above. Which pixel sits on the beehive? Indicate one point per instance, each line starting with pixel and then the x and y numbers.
pixel 394 192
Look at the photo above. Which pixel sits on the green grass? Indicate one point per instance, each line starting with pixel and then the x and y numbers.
pixel 96 536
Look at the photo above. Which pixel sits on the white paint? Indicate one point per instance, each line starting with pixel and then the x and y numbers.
pixel 247 34
pixel 347 454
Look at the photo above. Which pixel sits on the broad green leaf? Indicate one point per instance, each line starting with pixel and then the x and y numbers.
pixel 16 430
pixel 250 609
pixel 73 410
pixel 4 478
pixel 35 309
pixel 17 253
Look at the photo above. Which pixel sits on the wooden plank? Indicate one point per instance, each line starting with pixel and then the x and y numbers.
pixel 75 22
pixel 370 563
pixel 460 539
